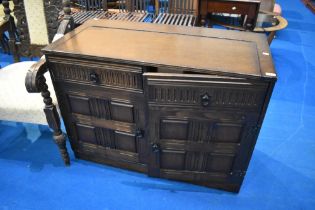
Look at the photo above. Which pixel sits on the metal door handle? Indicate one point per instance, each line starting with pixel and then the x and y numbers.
pixel 94 77
pixel 205 100
pixel 155 148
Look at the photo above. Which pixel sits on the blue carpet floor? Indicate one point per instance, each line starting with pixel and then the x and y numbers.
pixel 281 174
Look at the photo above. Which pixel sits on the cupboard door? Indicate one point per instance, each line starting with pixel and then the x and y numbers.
pixel 202 127
pixel 108 122
pixel 197 146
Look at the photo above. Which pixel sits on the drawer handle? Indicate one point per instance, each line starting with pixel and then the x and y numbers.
pixel 205 100
pixel 155 148
pixel 94 77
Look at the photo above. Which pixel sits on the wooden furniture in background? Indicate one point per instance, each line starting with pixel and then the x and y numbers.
pixel 310 4
pixel 248 9
pixel 25 37
pixel 176 12
pixel 88 9
pixel 178 103
pixel 4 41
pixel 128 10
pixel 133 10
pixel 7 24
pixel 265 6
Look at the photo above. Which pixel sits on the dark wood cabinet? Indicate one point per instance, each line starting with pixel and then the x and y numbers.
pixel 173 102
pixel 248 9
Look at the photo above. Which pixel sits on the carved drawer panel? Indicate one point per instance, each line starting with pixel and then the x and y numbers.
pixel 110 75
pixel 204 92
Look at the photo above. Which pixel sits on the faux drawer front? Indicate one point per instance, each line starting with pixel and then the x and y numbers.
pixel 101 74
pixel 204 92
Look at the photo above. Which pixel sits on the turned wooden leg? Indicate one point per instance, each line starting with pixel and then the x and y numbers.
pixel 11 30
pixel 60 140
pixel 69 22
pixel 35 82
pixel 53 120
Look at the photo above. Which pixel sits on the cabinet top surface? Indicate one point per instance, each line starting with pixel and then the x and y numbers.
pixel 197 49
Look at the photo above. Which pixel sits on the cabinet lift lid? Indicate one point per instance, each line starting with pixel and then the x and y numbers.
pixel 202 50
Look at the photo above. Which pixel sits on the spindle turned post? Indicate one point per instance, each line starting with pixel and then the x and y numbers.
pixel 67 15
pixel 54 122
pixel 35 82
pixel 12 30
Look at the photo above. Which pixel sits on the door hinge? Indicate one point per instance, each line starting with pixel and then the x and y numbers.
pixel 139 133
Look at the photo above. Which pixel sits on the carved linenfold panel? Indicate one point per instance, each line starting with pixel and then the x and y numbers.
pixel 200 131
pixel 223 97
pixel 109 109
pixel 100 108
pixel 105 137
pixel 176 155
pixel 195 161
pixel 110 75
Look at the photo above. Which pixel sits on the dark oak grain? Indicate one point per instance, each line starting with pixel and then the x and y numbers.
pixel 174 102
